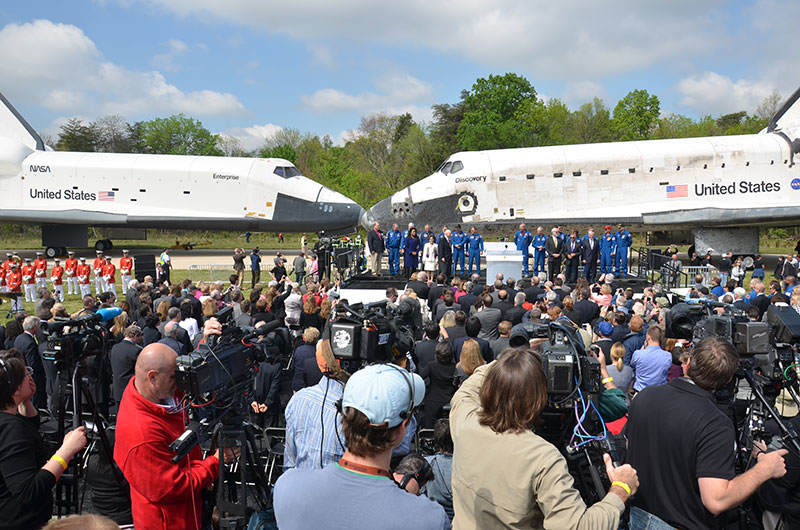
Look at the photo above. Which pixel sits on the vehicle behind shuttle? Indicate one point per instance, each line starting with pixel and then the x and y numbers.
pixel 68 191
pixel 710 184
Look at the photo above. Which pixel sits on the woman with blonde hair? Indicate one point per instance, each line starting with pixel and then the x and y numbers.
pixel 621 373
pixel 471 359
pixel 325 309
pixel 795 301
pixel 604 298
pixel 448 320
pixel 209 307
pixel 118 328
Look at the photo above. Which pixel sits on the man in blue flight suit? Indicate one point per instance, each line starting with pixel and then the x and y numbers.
pixel 459 242
pixel 539 242
pixel 591 255
pixel 428 232
pixel 474 248
pixel 608 247
pixel 624 242
pixel 561 233
pixel 523 239
pixel 393 237
pixel 441 234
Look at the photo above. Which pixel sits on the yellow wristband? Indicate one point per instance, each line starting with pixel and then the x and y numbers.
pixel 607 380
pixel 60 461
pixel 622 485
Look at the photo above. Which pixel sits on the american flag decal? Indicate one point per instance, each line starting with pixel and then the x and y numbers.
pixel 678 191
pixel 107 196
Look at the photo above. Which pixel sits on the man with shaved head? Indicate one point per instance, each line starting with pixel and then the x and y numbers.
pixel 163 494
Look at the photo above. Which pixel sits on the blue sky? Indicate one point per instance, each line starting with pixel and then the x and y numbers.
pixel 248 67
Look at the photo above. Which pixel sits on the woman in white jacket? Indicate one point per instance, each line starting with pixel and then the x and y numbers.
pixel 429 254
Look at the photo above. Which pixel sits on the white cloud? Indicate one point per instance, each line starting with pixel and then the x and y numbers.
pixel 253 137
pixel 321 56
pixel 715 94
pixel 167 60
pixel 572 40
pixel 577 93
pixel 395 90
pixel 63 70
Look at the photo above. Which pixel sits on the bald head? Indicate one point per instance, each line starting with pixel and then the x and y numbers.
pixel 155 372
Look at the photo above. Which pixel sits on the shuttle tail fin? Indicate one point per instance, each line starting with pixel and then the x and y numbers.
pixel 13 125
pixel 788 115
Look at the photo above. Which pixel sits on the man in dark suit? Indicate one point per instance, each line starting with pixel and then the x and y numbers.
pixel 586 309
pixel 456 331
pixel 534 291
pixel 467 299
pixel 181 335
pixel 761 301
pixel 473 328
pixel 573 251
pixel 446 255
pixel 449 304
pixel 503 304
pixel 514 315
pixel 426 350
pixel 435 291
pixel 376 245
pixel 555 250
pixel 590 255
pixel 123 360
pixel 420 285
pixel 26 344
pixel 170 338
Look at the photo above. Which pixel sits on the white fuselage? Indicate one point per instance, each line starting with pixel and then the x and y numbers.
pixel 728 180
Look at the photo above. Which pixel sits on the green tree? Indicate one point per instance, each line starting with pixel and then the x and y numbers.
pixel 285 151
pixel 178 135
pixel 77 136
pixel 635 115
pixel 444 129
pixel 590 123
pixel 491 113
pixel 112 134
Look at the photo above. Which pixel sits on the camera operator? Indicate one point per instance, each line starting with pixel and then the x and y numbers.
pixel 27 476
pixel 313 434
pixel 359 491
pixel 163 494
pixel 504 474
pixel 681 442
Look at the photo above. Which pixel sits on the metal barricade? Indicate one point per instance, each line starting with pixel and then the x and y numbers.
pixel 705 270
pixel 220 271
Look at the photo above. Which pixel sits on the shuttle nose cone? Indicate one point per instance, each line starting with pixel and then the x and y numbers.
pixel 381 213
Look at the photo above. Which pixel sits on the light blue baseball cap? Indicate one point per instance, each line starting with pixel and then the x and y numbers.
pixel 382 393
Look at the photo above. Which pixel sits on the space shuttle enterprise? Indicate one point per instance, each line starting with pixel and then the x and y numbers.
pixel 66 192
pixel 723 188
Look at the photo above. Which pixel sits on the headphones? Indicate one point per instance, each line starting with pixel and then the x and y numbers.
pixel 406 377
pixel 423 474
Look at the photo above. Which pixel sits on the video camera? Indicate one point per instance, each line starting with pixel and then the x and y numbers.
pixel 217 377
pixel 694 322
pixel 363 334
pixel 73 339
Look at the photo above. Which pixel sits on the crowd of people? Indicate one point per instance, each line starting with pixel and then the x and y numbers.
pixel 473 382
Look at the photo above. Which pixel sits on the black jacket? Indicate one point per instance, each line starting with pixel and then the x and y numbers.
pixel 421 288
pixel 590 255
pixel 554 247
pixel 568 250
pixel 587 310
pixel 375 241
pixel 445 250
pixel 26 344
pixel 123 362
pixel 434 293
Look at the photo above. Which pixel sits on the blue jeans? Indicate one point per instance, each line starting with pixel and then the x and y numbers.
pixel 642 520
pixel 724 277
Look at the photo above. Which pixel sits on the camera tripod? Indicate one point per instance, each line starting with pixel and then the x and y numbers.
pixel 234 431
pixel 73 385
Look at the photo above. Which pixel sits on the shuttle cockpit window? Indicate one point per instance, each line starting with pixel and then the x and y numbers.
pixel 446 168
pixel 287 172
pixel 457 166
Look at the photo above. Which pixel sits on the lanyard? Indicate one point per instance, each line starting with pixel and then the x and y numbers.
pixel 364 470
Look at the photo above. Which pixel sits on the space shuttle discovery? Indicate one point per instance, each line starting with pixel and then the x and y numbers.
pixel 723 188
pixel 66 192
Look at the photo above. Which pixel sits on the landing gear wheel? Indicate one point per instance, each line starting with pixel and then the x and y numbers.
pixel 62 251
pixel 52 252
pixel 100 245
pixel 109 244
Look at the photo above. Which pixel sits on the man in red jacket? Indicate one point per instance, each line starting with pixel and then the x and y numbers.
pixel 57 277
pixel 71 271
pixel 14 283
pixel 163 495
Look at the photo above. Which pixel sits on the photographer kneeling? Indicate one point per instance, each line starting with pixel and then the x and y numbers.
pixel 27 476
pixel 504 474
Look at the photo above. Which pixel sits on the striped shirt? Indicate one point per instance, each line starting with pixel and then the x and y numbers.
pixel 310 426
